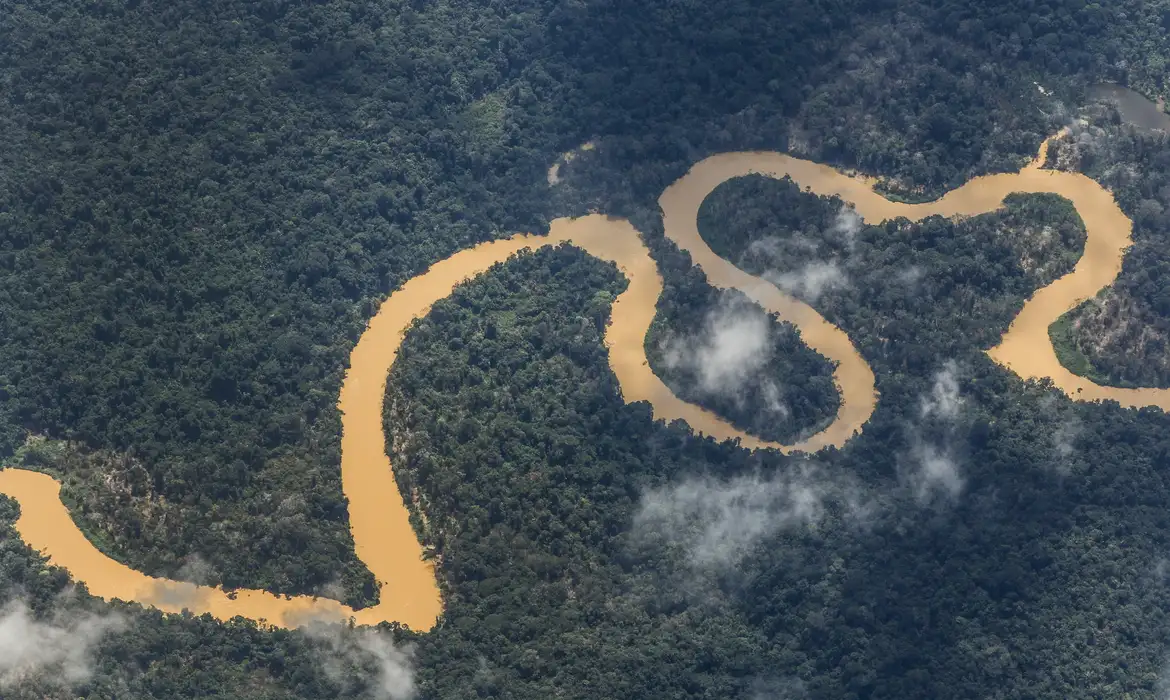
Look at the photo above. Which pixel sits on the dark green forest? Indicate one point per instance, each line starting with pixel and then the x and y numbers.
pixel 201 204
pixel 1120 337
pixel 720 351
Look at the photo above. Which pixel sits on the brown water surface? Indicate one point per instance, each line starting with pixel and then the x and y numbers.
pixel 379 522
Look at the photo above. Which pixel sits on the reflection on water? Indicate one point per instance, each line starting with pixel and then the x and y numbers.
pixel 1133 107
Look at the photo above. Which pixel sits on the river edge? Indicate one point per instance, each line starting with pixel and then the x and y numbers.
pixel 379 521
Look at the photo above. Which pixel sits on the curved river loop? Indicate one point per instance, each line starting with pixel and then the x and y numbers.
pixel 382 534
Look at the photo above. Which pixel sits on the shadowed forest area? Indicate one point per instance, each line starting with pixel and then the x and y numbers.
pixel 201 204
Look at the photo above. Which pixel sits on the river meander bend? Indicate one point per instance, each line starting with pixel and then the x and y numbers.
pixel 379 522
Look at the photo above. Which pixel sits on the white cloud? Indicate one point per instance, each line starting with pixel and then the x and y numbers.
pixel 1160 569
pixel 772 398
pixel 847 225
pixel 180 594
pixel 910 276
pixel 815 277
pixel 944 400
pixel 931 469
pixel 933 472
pixel 767 247
pixel 333 589
pixel 1065 436
pixel 811 281
pixel 365 655
pixel 197 570
pixel 734 345
pixel 775 248
pixel 58 650
pixel 718 522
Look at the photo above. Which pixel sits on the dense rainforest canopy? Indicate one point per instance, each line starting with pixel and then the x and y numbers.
pixel 201 204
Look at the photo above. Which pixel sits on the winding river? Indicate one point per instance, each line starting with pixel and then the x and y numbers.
pixel 379 521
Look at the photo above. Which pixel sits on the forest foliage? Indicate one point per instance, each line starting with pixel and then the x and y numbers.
pixel 202 203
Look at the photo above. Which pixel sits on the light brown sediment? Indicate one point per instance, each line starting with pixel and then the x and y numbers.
pixel 1025 348
pixel 617 241
pixel 379 522
pixel 378 519
pixel 680 210
pixel 45 525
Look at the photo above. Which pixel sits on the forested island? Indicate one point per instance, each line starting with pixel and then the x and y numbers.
pixel 201 205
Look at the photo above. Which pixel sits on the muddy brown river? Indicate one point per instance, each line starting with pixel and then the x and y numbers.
pixel 379 522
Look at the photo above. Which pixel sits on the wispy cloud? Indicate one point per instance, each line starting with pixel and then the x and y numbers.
pixel 1065 432
pixel 1065 436
pixel 365 657
pixel 767 247
pixel 58 650
pixel 944 400
pixel 175 594
pixel 718 522
pixel 933 472
pixel 811 280
pixel 776 248
pixel 910 277
pixel 847 226
pixel 734 345
pixel 803 277
pixel 1163 685
pixel 197 570
pixel 333 589
pixel 932 469
pixel 773 401
pixel 786 689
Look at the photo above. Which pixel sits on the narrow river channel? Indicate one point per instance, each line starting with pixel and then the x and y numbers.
pixel 379 520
